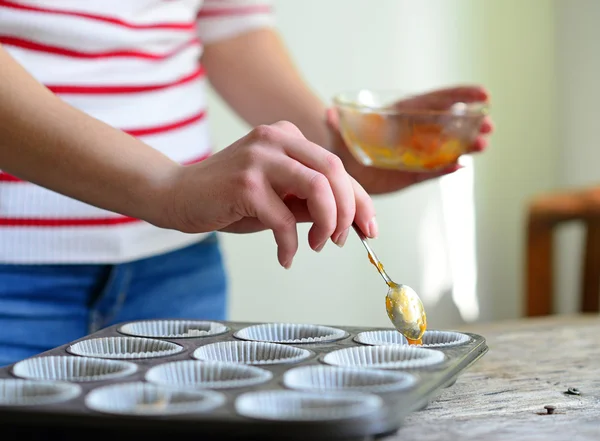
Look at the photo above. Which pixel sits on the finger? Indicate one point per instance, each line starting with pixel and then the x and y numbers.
pixel 444 98
pixel 289 128
pixel 289 176
pixel 333 118
pixel 306 159
pixel 364 217
pixel 316 231
pixel 478 145
pixel 299 207
pixel 246 225
pixel 270 210
pixel 486 126
pixel 459 93
pixel 331 166
pixel 365 211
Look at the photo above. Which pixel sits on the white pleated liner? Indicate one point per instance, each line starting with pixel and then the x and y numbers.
pixel 18 392
pixel 331 378
pixel 385 357
pixel 431 339
pixel 251 352
pixel 139 398
pixel 381 338
pixel 207 375
pixel 282 405
pixel 124 348
pixel 441 339
pixel 173 328
pixel 72 368
pixel 291 333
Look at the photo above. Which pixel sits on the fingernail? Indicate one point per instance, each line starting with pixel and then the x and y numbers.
pixel 320 247
pixel 288 264
pixel 341 240
pixel 373 228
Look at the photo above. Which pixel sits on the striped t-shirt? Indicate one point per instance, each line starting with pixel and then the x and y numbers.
pixel 133 64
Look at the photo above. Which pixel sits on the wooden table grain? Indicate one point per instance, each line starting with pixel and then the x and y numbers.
pixel 531 363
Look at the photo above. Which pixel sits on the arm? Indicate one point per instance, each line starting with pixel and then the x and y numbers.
pixel 47 142
pixel 255 75
pixel 256 68
pixel 240 189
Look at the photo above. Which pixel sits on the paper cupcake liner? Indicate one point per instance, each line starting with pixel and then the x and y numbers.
pixel 138 398
pixel 441 339
pixel 381 338
pixel 251 352
pixel 385 357
pixel 124 348
pixel 17 392
pixel 207 375
pixel 71 368
pixel 173 329
pixel 291 333
pixel 285 405
pixel 330 379
pixel 431 339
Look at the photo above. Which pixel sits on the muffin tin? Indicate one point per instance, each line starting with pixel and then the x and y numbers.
pixel 231 380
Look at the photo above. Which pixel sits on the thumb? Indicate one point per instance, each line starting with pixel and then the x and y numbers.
pixel 333 118
pixel 443 99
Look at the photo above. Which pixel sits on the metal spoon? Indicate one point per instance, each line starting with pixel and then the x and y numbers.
pixel 403 305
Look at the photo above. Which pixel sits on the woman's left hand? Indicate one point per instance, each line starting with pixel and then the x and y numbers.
pixel 377 181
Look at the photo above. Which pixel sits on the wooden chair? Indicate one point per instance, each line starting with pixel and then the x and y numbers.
pixel 545 214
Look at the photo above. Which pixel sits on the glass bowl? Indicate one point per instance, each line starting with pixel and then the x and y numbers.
pixel 395 130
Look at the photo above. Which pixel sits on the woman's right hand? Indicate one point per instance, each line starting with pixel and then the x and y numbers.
pixel 272 178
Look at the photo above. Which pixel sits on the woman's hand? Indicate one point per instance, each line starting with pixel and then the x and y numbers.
pixel 377 181
pixel 272 178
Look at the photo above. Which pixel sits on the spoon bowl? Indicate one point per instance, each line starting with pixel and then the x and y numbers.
pixel 406 312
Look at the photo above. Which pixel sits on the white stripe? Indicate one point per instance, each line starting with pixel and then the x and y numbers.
pixel 112 244
pixel 146 109
pixel 84 35
pixel 212 29
pixel 106 71
pixel 142 11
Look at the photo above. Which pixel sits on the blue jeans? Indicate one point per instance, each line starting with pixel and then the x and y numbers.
pixel 44 306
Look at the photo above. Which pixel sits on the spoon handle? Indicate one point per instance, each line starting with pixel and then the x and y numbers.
pixel 372 255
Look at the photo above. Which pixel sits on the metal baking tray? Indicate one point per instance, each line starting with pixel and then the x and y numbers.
pixel 72 418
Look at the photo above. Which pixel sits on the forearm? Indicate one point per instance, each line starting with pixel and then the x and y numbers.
pixel 45 141
pixel 256 77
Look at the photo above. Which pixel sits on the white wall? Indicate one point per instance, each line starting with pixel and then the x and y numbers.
pixel 341 44
pixel 578 33
pixel 516 59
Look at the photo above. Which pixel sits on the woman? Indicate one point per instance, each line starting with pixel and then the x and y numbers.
pixel 86 90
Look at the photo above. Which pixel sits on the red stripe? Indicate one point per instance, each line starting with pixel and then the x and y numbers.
pixel 222 12
pixel 34 46
pixel 5 177
pixel 64 222
pixel 105 19
pixel 198 159
pixel 78 222
pixel 167 127
pixel 101 90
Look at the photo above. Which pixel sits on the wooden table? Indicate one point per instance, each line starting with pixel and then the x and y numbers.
pixel 531 364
